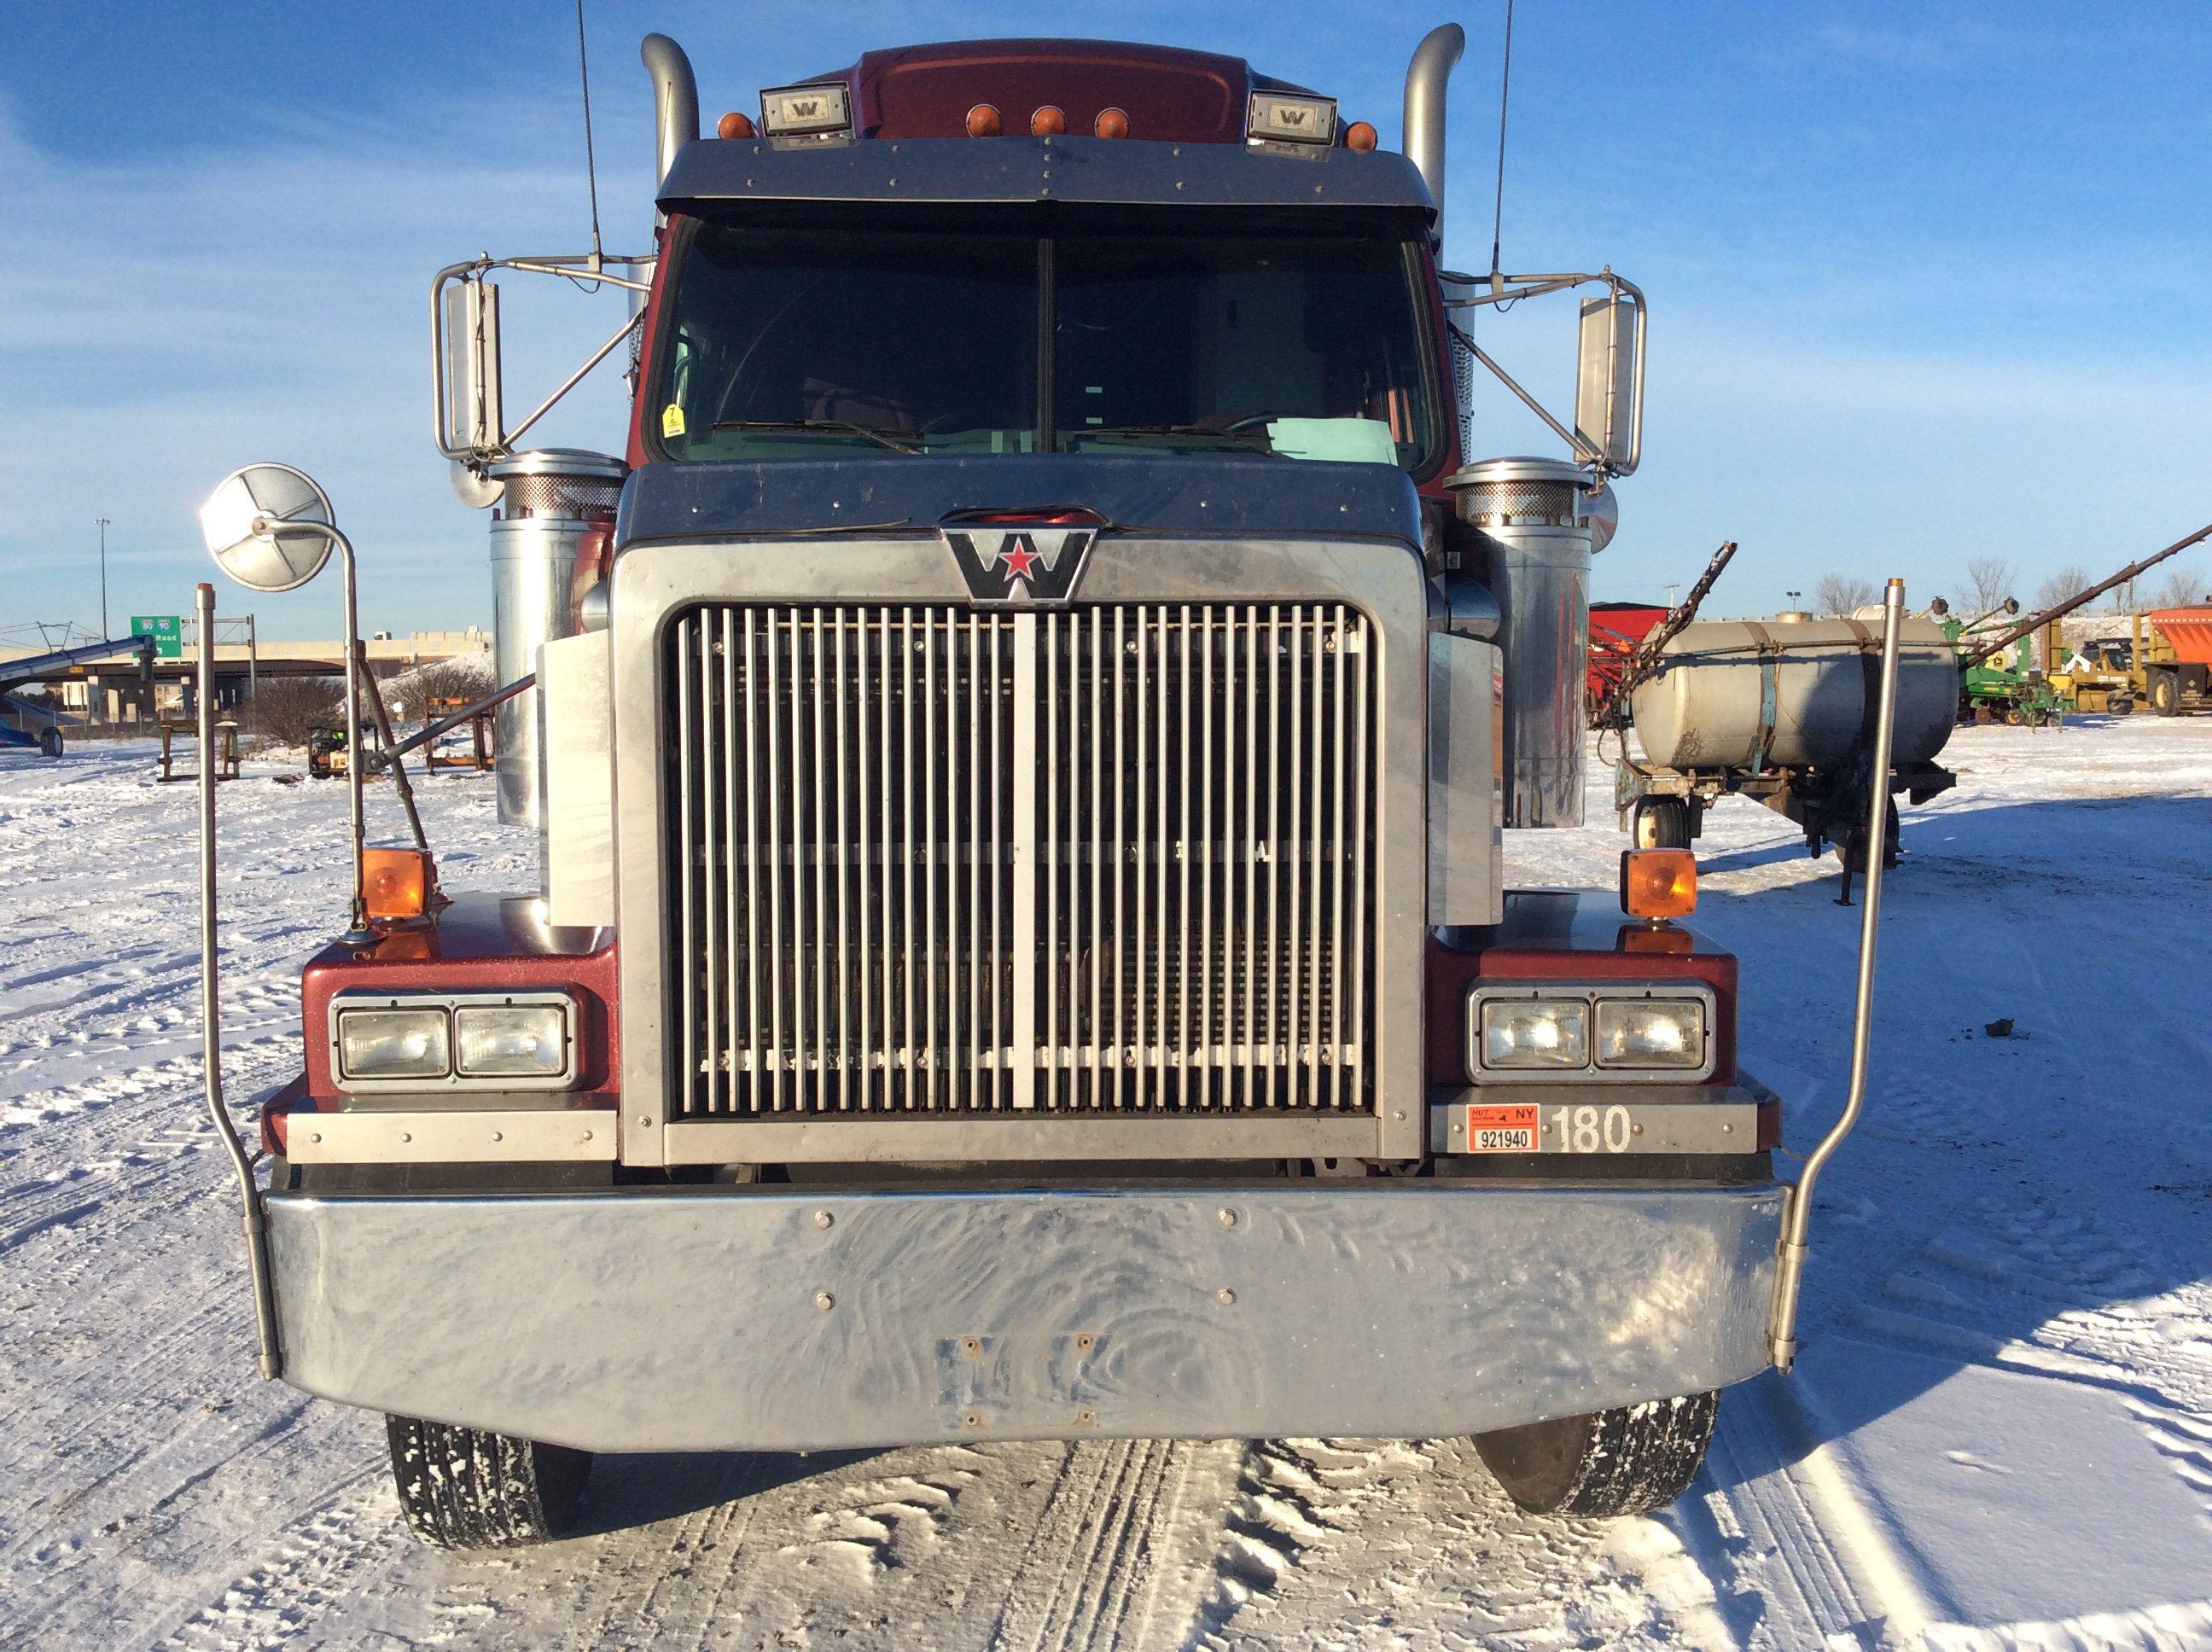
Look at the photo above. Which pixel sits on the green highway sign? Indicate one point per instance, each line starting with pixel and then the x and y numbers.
pixel 167 631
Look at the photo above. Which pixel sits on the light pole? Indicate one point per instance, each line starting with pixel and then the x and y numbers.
pixel 103 576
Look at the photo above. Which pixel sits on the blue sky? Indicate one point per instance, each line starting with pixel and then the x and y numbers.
pixel 1924 278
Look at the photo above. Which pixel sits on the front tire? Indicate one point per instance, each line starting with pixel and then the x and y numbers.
pixel 50 742
pixel 1628 1459
pixel 469 1488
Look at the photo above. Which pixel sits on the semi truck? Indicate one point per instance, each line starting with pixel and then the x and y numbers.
pixel 1020 738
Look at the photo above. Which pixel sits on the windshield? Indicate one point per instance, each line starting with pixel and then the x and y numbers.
pixel 793 342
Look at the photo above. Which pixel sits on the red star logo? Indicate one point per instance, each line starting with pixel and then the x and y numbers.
pixel 1017 561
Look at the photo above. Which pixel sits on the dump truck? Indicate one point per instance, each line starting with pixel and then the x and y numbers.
pixel 2164 666
pixel 1020 739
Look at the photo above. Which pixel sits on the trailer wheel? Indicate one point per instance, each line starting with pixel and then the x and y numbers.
pixel 50 742
pixel 468 1488
pixel 1660 824
pixel 1628 1460
pixel 2166 695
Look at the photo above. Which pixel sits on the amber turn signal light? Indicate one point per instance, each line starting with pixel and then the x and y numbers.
pixel 1658 882
pixel 1359 135
pixel 736 123
pixel 1111 123
pixel 983 121
pixel 1048 121
pixel 396 882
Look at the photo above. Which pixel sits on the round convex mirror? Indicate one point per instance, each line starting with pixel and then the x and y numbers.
pixel 263 526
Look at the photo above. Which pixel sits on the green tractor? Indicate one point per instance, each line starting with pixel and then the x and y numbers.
pixel 2003 685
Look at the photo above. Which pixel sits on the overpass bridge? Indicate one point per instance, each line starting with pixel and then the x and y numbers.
pixel 110 686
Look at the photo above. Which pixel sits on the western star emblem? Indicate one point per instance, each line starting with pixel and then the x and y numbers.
pixel 1019 564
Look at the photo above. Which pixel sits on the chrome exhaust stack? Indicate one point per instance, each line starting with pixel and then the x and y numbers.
pixel 1427 77
pixel 675 100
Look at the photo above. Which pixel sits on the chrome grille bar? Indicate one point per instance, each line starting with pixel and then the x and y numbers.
pixel 1106 859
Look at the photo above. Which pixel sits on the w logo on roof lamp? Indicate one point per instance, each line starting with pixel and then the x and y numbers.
pixel 1025 564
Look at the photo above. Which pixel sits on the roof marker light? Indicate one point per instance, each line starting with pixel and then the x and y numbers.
pixel 1359 135
pixel 736 123
pixel 983 121
pixel 1278 117
pixel 1111 123
pixel 1048 121
pixel 808 114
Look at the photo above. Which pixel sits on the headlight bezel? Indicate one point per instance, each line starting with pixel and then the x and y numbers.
pixel 1591 994
pixel 450 1004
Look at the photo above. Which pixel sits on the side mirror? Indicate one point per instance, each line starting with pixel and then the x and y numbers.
pixel 1609 378
pixel 470 415
pixel 269 526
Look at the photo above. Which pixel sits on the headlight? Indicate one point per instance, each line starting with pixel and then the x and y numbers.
pixel 1538 1033
pixel 393 1044
pixel 500 1041
pixel 1650 1033
pixel 1590 1032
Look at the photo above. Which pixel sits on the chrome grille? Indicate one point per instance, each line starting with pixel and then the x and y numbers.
pixel 1105 859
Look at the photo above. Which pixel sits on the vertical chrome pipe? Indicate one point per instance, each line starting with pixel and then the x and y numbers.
pixel 1427 77
pixel 359 934
pixel 1797 1214
pixel 675 99
pixel 256 1239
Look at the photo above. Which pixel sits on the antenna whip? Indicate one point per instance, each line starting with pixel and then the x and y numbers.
pixel 1504 95
pixel 590 163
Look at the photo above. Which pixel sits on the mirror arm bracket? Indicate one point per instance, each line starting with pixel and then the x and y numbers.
pixel 1584 452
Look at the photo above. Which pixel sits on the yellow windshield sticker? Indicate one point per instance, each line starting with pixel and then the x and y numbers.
pixel 671 420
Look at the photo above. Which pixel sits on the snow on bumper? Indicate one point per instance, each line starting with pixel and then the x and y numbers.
pixel 736 1318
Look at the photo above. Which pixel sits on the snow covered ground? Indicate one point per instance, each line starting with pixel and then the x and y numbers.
pixel 2000 1434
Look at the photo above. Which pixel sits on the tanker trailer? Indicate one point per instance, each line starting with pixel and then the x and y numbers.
pixel 1783 711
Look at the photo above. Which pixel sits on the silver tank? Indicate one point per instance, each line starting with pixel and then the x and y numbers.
pixel 1792 691
pixel 554 504
pixel 1533 521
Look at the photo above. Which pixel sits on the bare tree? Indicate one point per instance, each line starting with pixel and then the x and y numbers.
pixel 288 708
pixel 1840 593
pixel 2061 584
pixel 409 694
pixel 1992 578
pixel 2180 589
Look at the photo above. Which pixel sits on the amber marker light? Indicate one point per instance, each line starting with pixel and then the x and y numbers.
pixel 736 123
pixel 1111 123
pixel 1359 135
pixel 1048 121
pixel 1658 882
pixel 983 121
pixel 395 881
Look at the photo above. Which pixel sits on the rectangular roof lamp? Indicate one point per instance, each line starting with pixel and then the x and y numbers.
pixel 792 115
pixel 1289 123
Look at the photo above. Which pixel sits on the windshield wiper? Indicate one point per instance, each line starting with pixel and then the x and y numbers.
pixel 882 439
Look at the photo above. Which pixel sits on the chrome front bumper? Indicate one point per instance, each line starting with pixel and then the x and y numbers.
pixel 740 1318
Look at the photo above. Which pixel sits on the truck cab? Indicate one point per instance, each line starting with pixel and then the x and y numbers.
pixel 1020 742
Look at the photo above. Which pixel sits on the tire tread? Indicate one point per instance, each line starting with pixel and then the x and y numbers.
pixel 470 1488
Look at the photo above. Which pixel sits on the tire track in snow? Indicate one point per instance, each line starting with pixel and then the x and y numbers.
pixel 1091 1564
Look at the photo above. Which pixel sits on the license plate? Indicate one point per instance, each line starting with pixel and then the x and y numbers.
pixel 1509 1129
